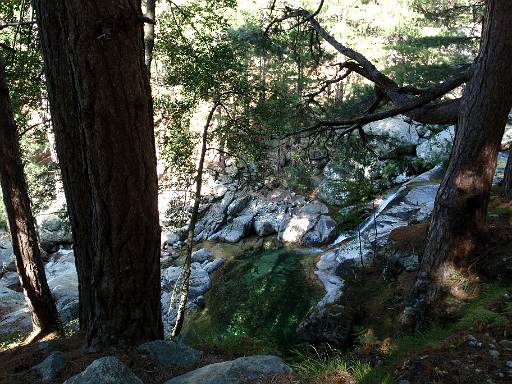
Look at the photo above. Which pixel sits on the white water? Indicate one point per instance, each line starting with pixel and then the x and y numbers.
pixel 370 219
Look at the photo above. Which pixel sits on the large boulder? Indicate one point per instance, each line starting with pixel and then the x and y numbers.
pixel 394 129
pixel 506 142
pixel 301 227
pixel 14 313
pixel 63 282
pixel 325 227
pixel 250 369
pixel 172 237
pixel 437 149
pixel 293 229
pixel 264 225
pixel 239 228
pixel 238 205
pixel 199 279
pixel 169 353
pixel 214 218
pixel 50 367
pixel 201 255
pixel 6 254
pixel 106 370
pixel 54 229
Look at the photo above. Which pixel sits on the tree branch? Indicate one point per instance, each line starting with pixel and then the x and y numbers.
pixel 17 24
pixel 401 97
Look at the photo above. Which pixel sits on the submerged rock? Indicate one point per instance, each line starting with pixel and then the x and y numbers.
pixel 106 370
pixel 169 353
pixel 242 370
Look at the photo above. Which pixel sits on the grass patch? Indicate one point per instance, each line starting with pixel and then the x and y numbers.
pixel 9 339
pixel 334 367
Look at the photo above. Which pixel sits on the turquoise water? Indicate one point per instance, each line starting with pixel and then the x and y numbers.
pixel 257 301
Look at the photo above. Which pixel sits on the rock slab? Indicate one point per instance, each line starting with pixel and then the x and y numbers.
pixel 169 353
pixel 106 370
pixel 50 367
pixel 245 369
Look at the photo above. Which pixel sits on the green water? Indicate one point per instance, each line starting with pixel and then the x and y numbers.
pixel 257 301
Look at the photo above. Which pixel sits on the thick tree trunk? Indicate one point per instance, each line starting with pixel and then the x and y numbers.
pixel 507 181
pixel 102 110
pixel 29 264
pixel 461 203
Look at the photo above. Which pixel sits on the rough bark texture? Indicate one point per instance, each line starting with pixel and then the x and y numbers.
pixel 101 106
pixel 507 181
pixel 29 264
pixel 461 203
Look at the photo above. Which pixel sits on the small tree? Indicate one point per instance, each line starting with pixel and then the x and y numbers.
pixel 29 264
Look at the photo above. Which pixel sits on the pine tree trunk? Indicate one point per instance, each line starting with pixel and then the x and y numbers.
pixel 29 264
pixel 507 181
pixel 461 203
pixel 101 107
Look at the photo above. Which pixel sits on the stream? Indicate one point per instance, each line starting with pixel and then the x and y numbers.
pixel 257 300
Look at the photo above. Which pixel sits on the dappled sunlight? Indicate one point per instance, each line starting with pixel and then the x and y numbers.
pixel 457 281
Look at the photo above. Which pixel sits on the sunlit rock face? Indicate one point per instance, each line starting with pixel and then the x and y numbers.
pixel 63 283
pixel 437 148
pixel 309 225
pixel 395 128
pixel 54 229
pixel 235 217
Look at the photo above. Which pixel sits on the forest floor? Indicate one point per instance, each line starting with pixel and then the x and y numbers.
pixel 469 339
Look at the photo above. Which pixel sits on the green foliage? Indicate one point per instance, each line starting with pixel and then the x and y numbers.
pixel 24 75
pixel 9 339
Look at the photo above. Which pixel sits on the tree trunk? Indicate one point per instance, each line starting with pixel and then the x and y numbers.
pixel 180 318
pixel 149 34
pixel 507 181
pixel 101 106
pixel 29 264
pixel 461 203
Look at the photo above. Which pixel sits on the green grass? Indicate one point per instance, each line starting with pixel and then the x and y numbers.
pixel 10 338
pixel 487 310
pixel 314 368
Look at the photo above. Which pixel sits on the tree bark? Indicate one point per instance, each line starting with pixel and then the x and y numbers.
pixel 507 181
pixel 29 264
pixel 461 203
pixel 101 106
